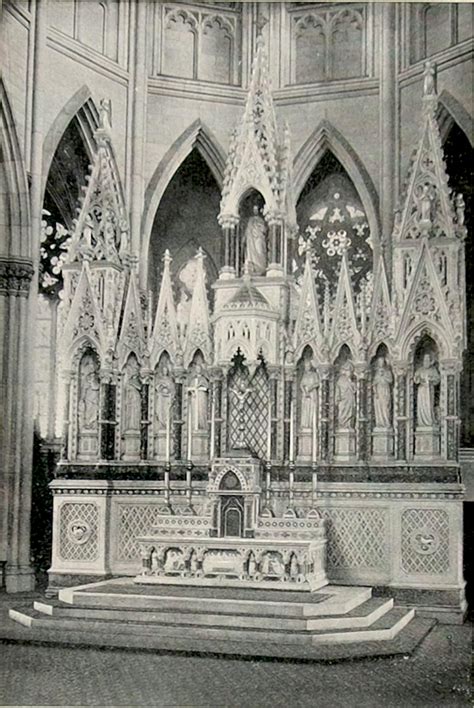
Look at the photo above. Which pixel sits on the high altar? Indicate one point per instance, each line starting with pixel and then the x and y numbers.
pixel 277 428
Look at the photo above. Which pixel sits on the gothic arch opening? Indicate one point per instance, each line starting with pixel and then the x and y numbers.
pixel 332 219
pixel 191 198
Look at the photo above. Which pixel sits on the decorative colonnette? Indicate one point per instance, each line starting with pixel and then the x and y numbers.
pixel 398 535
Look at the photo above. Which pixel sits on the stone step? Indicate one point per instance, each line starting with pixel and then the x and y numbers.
pixel 332 600
pixel 362 616
pixel 386 627
pixel 404 643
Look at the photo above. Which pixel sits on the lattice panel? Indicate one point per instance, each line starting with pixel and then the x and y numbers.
pixel 78 531
pixel 257 414
pixel 356 538
pixel 425 541
pixel 134 520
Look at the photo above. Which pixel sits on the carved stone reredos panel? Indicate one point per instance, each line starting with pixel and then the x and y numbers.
pixel 246 469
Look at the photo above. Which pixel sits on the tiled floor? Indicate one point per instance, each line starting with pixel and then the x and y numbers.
pixel 437 674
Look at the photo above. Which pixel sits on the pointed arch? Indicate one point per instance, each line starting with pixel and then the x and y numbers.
pixel 11 157
pixel 327 137
pixel 450 111
pixel 197 135
pixel 82 107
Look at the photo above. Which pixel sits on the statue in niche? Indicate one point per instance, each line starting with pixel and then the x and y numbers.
pixel 89 399
pixel 345 397
pixel 255 238
pixel 198 390
pixel 426 378
pixel 382 392
pixel 429 79
pixel 426 202
pixel 132 396
pixel 182 313
pixel 309 385
pixel 164 396
pixel 105 113
pixel 460 207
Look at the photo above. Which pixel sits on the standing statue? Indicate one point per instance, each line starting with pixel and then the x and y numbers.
pixel 89 387
pixel 182 313
pixel 429 79
pixel 460 207
pixel 132 403
pixel 345 397
pixel 309 385
pixel 426 378
pixel 255 238
pixel 198 389
pixel 382 392
pixel 426 202
pixel 164 396
pixel 105 113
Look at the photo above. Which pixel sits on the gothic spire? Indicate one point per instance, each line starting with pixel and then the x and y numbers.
pixel 198 334
pixel 426 206
pixel 101 229
pixel 259 157
pixel 165 330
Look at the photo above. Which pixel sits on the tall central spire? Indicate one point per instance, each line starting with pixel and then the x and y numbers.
pixel 259 157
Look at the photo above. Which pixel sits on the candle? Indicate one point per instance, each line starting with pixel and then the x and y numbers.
pixel 292 432
pixel 269 432
pixel 168 437
pixel 213 422
pixel 190 434
pixel 167 485
pixel 314 436
pixel 188 484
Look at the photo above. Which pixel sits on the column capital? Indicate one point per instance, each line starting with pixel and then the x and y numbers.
pixel 15 276
pixel 228 221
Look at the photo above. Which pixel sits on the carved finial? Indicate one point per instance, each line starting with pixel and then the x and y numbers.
pixel 105 115
pixel 200 255
pixel 429 80
pixel 167 258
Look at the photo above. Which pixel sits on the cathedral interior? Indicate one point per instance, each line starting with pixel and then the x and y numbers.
pixel 236 298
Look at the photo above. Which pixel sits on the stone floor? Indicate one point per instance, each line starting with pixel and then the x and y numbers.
pixel 437 674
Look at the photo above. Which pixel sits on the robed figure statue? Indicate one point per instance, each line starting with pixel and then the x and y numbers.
pixel 255 238
pixel 132 397
pixel 382 393
pixel 89 386
pixel 426 378
pixel 309 385
pixel 198 389
pixel 345 397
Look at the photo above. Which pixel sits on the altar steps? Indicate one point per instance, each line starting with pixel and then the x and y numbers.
pixel 337 622
pixel 384 628
pixel 363 616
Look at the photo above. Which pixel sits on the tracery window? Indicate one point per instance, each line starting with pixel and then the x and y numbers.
pixel 438 26
pixel 328 44
pixel 198 43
